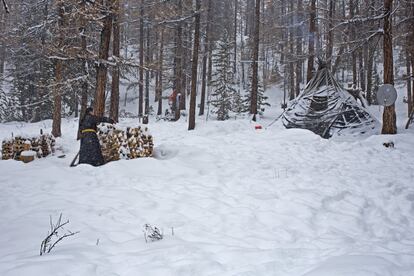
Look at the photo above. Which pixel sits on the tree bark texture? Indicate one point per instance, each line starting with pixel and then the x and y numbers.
pixel 255 62
pixel 311 46
pixel 114 109
pixel 389 119
pixel 191 120
pixel 102 69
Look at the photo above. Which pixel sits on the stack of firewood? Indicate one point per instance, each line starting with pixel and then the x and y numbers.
pixel 43 145
pixel 124 144
pixel 7 149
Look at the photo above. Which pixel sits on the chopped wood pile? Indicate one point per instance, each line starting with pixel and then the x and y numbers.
pixel 42 145
pixel 119 144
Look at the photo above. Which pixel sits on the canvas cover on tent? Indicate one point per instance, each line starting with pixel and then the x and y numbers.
pixel 327 109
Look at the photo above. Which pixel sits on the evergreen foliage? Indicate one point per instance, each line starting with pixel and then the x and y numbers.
pixel 261 98
pixel 224 94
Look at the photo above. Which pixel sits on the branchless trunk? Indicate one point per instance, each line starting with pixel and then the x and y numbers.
pixel 178 64
pixel 410 39
pixel 160 69
pixel 330 38
pixel 389 120
pixel 205 56
pixel 353 37
pixel 291 54
pixel 141 60
pixel 312 34
pixel 191 120
pixel 57 90
pixel 3 19
pixel 84 91
pixel 102 69
pixel 255 61
pixel 409 94
pixel 114 109
pixel 299 34
pixel 147 72
pixel 236 7
pixel 370 60
pixel 185 58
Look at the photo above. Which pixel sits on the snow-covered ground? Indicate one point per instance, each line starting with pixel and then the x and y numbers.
pixel 231 200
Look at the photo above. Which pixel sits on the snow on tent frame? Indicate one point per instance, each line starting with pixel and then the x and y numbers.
pixel 327 109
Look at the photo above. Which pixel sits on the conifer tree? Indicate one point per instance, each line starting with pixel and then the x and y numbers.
pixel 222 83
pixel 261 98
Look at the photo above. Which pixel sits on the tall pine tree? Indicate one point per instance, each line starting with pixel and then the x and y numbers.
pixel 224 93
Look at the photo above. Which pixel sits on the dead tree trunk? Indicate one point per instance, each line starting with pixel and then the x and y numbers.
pixel 160 68
pixel 84 91
pixel 178 64
pixel 299 62
pixel 330 38
pixel 409 88
pixel 205 57
pixel 57 90
pixel 141 60
pixel 3 18
pixel 114 109
pixel 236 9
pixel 389 119
pixel 191 119
pixel 147 72
pixel 255 61
pixel 312 33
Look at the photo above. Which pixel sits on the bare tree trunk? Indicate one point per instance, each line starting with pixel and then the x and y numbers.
pixel 3 18
pixel 242 52
pixel 389 118
pixel 102 69
pixel 57 101
pixel 147 72
pixel 361 70
pixel 160 73
pixel 57 90
pixel 191 120
pixel 255 60
pixel 185 63
pixel 178 60
pixel 370 60
pixel 236 9
pixel 412 89
pixel 141 60
pixel 329 47
pixel 299 49
pixel 114 109
pixel 291 53
pixel 312 33
pixel 353 54
pixel 205 55
pixel 84 91
pixel 409 88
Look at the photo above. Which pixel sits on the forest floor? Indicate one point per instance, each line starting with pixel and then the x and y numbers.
pixel 231 200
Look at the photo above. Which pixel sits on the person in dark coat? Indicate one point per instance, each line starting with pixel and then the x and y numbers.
pixel 90 149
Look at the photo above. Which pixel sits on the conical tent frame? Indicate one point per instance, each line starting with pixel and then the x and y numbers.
pixel 325 108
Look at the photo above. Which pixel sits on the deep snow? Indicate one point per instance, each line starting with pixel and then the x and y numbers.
pixel 240 202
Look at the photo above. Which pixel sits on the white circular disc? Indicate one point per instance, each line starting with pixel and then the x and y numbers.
pixel 386 95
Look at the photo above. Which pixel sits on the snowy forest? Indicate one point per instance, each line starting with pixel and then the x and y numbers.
pixel 207 137
pixel 58 57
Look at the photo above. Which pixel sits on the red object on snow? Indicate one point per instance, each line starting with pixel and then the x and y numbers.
pixel 258 127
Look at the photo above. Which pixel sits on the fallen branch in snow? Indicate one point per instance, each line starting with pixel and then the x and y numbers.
pixel 47 244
